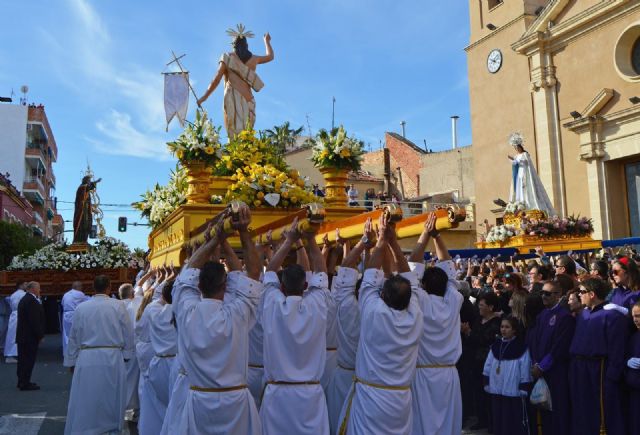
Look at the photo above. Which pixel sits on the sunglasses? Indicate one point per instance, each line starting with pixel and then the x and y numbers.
pixel 547 294
pixel 616 272
pixel 582 291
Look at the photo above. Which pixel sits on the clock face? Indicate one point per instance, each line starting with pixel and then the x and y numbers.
pixel 494 61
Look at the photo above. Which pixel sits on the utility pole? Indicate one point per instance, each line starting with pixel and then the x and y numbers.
pixel 403 124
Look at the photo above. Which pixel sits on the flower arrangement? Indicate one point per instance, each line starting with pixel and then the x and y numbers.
pixel 108 253
pixel 259 185
pixel 555 226
pixel 515 207
pixel 247 149
pixel 216 199
pixel 334 149
pixel 198 142
pixel 500 233
pixel 160 202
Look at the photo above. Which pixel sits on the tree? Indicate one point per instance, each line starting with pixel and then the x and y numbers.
pixel 282 136
pixel 16 239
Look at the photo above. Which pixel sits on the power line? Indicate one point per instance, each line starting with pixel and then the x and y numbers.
pixel 101 204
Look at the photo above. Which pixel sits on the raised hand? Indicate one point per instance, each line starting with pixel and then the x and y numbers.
pixel 292 234
pixel 243 221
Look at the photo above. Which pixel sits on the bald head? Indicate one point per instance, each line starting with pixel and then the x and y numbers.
pixel 33 287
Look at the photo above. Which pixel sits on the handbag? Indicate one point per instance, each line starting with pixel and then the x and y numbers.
pixel 541 395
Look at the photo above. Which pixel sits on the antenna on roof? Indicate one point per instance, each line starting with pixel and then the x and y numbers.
pixel 24 89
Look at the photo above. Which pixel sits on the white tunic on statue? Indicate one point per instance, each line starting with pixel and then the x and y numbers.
pixel 70 302
pixel 216 340
pixel 294 353
pixel 99 342
pixel 527 187
pixel 10 346
pixel 387 355
pixel 437 400
pixel 151 410
pixel 348 334
pixel 163 368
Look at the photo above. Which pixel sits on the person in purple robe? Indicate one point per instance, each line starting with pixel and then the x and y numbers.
pixel 626 277
pixel 549 343
pixel 632 374
pixel 597 364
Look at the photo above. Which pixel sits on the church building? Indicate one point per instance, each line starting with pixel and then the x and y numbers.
pixel 566 75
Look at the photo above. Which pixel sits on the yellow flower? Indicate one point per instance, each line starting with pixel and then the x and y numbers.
pixel 257 203
pixel 345 153
pixel 260 195
pixel 293 174
pixel 300 182
pixel 277 185
pixel 209 150
pixel 324 154
pixel 294 199
pixel 180 153
pixel 285 194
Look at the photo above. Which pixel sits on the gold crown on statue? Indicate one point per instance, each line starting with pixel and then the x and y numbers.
pixel 516 139
pixel 239 32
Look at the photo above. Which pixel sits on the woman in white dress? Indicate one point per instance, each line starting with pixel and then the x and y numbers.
pixel 526 186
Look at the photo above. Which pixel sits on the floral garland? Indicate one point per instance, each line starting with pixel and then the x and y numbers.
pixel 334 149
pixel 259 185
pixel 247 149
pixel 160 202
pixel 198 142
pixel 500 233
pixel 108 253
pixel 555 226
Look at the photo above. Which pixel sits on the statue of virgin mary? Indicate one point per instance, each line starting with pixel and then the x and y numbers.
pixel 526 186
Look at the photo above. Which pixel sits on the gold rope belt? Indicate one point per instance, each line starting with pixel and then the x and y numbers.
pixel 218 390
pixel 100 347
pixel 169 355
pixel 256 366
pixel 351 369
pixel 264 388
pixel 357 380
pixel 435 366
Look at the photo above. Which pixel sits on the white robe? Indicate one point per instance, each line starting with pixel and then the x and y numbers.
pixel 215 335
pixel 133 371
pixel 70 302
pixel 294 352
pixel 163 368
pixel 512 373
pixel 387 355
pixel 437 400
pixel 10 346
pixel 348 334
pixel 98 393
pixel 331 360
pixel 150 421
pixel 255 372
pixel 528 188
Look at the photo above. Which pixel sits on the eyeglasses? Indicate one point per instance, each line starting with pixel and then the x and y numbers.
pixel 583 291
pixel 560 265
pixel 547 294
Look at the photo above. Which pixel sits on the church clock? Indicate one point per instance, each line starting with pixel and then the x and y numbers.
pixel 494 61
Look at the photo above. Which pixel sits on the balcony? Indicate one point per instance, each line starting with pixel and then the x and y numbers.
pixel 35 156
pixel 34 190
pixel 38 218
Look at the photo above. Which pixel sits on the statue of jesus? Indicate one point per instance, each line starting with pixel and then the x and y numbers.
pixel 239 71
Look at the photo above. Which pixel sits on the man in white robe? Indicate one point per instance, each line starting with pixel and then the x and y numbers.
pixel 163 368
pixel 69 303
pixel 294 323
pixel 126 294
pixel 348 327
pixel 10 346
pixel 437 400
pixel 99 344
pixel 391 319
pixel 214 312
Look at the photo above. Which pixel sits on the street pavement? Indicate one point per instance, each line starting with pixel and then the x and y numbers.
pixel 43 411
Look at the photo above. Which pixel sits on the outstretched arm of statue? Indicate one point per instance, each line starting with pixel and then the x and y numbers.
pixel 267 45
pixel 214 83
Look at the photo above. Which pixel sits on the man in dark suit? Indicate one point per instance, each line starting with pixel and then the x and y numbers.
pixel 28 335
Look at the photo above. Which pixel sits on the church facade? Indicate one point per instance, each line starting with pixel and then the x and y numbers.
pixel 566 75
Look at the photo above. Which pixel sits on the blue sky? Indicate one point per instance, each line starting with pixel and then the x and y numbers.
pixel 96 66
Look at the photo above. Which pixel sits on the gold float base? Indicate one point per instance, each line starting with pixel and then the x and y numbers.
pixel 527 244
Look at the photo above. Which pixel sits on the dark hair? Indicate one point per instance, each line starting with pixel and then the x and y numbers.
pixel 293 279
pixel 491 300
pixel 568 263
pixel 166 291
pixel 396 292
pixel 434 281
pixel 601 267
pixel 556 285
pixel 565 282
pixel 241 49
pixel 101 284
pixel 515 323
pixel 533 306
pixel 542 270
pixel 20 283
pixel 125 291
pixel 213 277
pixel 515 280
pixel 598 286
pixel 629 266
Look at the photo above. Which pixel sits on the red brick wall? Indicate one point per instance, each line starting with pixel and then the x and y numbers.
pixel 409 160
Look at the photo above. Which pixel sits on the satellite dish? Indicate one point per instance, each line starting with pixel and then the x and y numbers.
pixel 24 89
